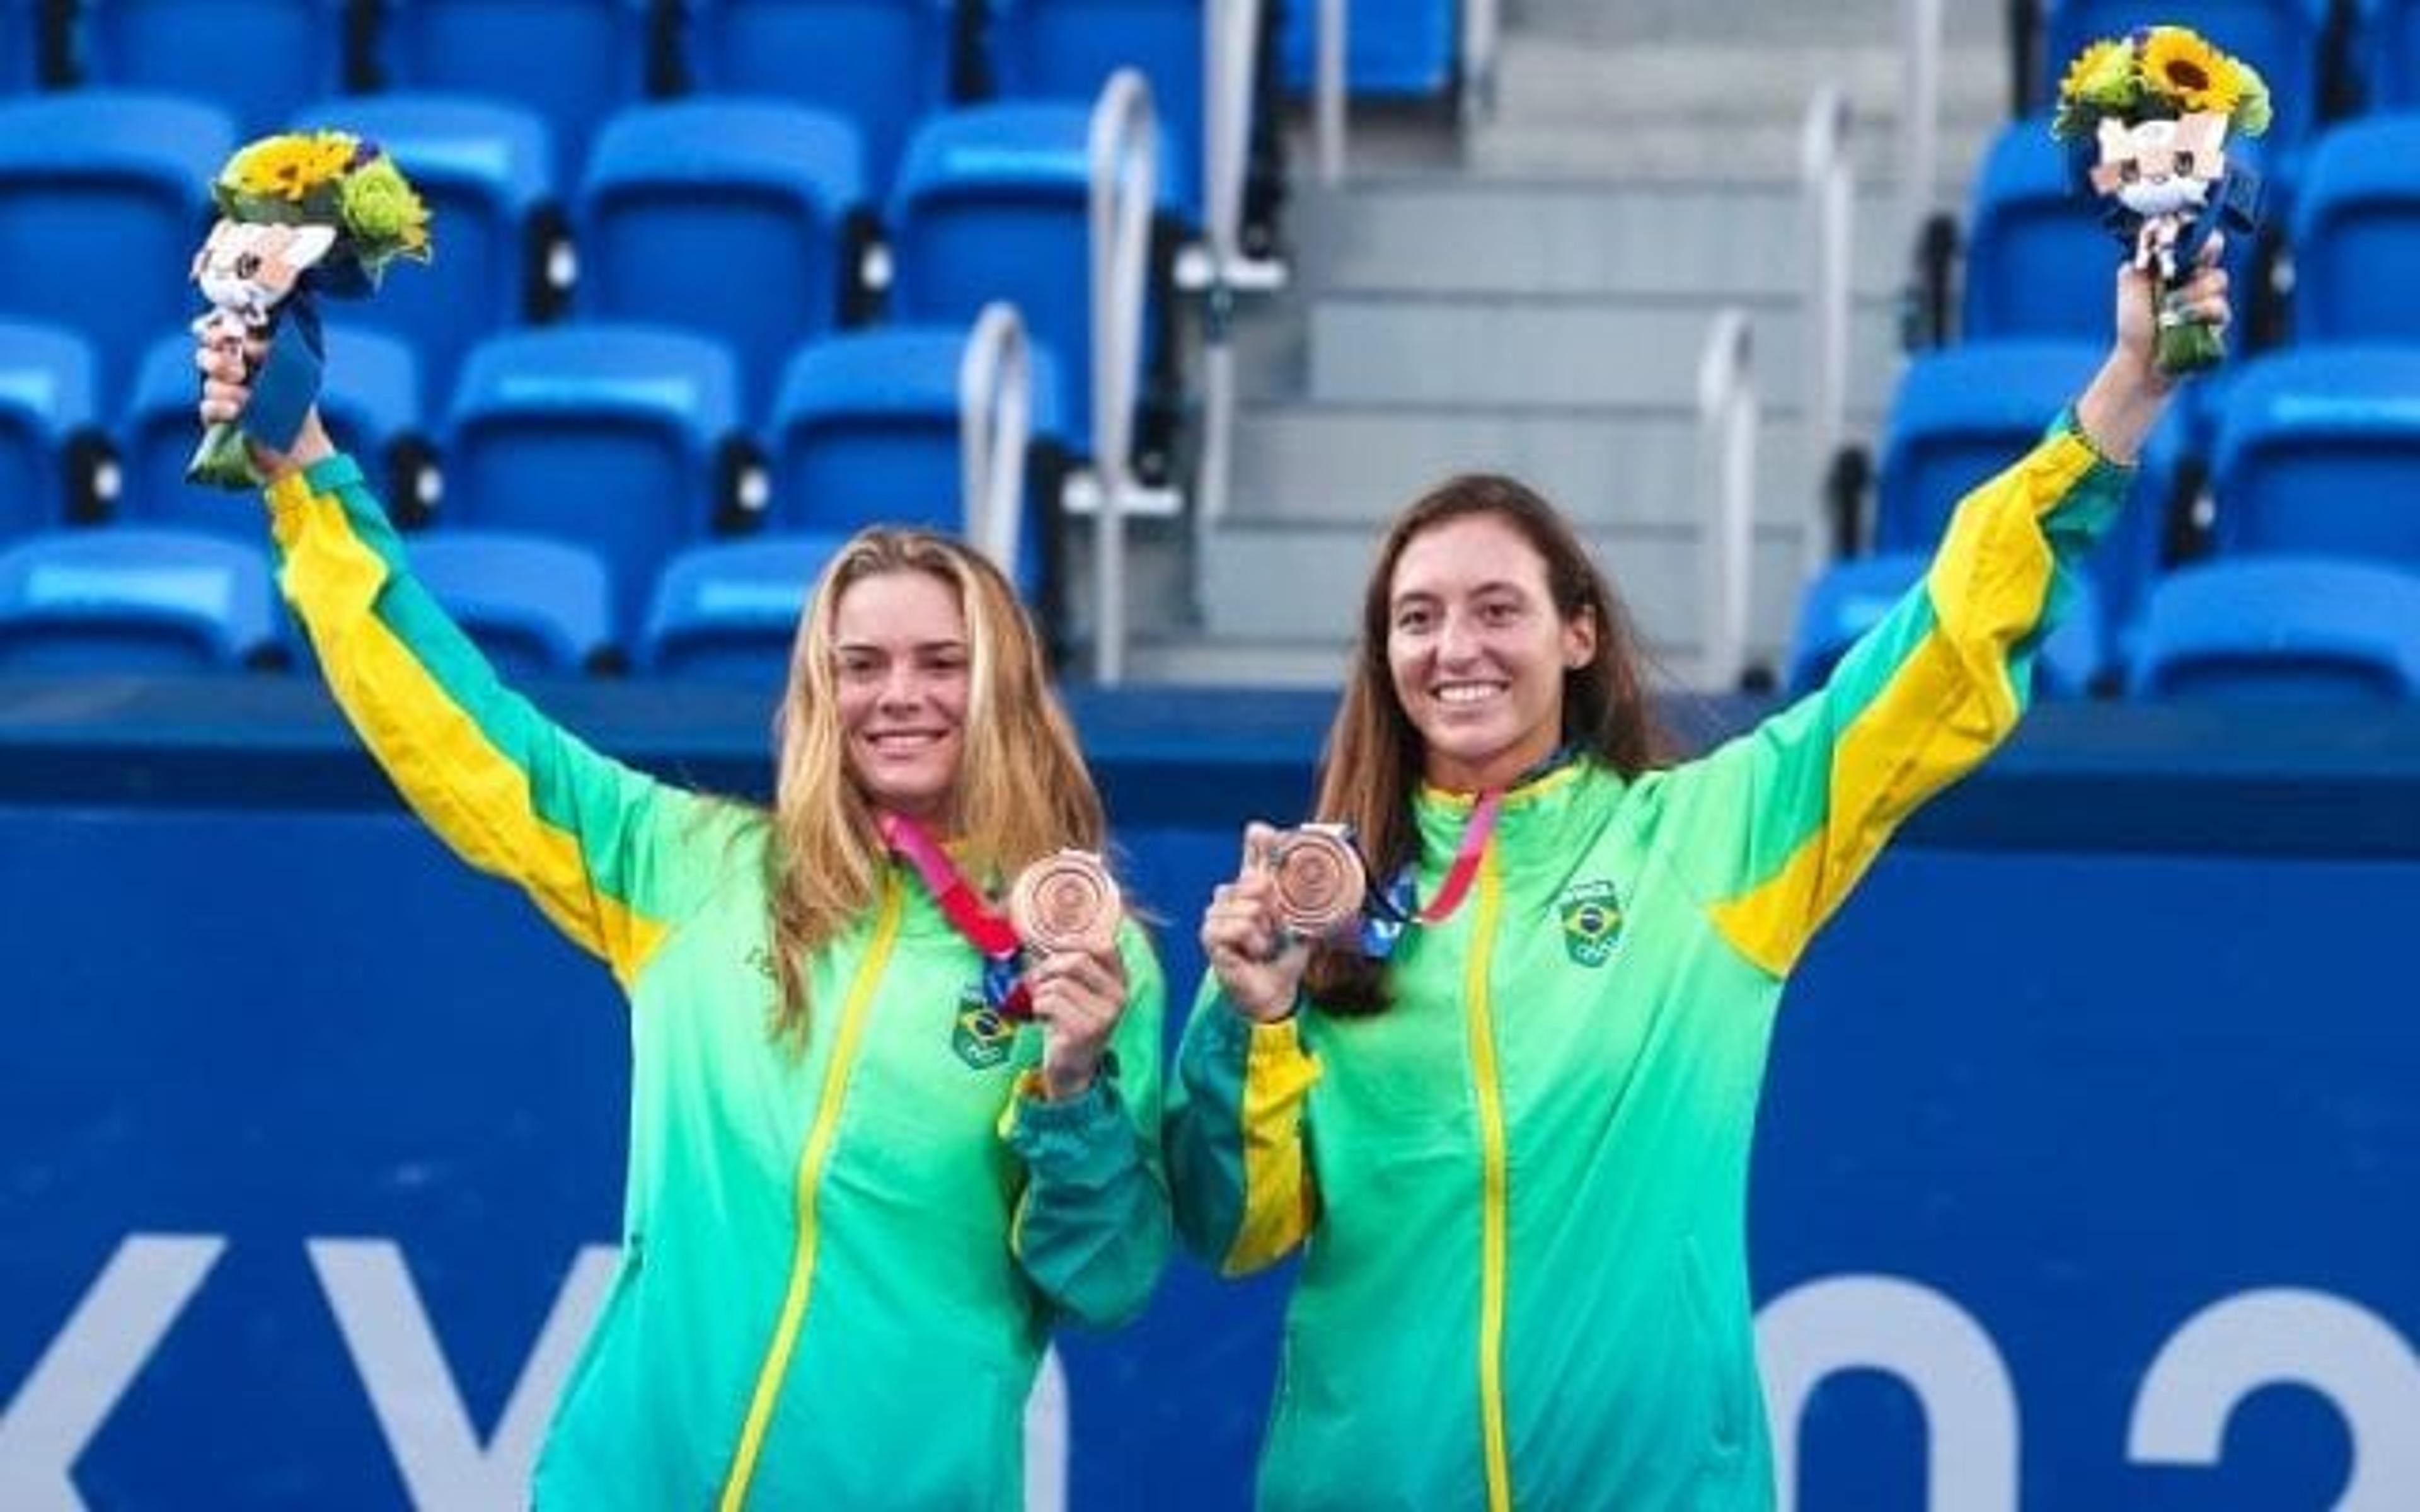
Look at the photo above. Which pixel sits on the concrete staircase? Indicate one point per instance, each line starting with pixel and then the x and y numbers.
pixel 1530 293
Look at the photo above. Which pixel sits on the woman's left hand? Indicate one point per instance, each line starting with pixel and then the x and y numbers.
pixel 1078 996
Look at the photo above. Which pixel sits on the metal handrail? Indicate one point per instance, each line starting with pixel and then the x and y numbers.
pixel 995 422
pixel 1124 154
pixel 1230 58
pixel 1727 427
pixel 1230 61
pixel 1482 28
pixel 1828 198
pixel 1919 121
pixel 1327 91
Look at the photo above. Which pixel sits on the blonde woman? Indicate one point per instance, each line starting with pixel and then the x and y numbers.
pixel 859 1191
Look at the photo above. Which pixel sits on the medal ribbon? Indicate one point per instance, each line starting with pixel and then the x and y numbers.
pixel 1388 911
pixel 992 936
pixel 1475 833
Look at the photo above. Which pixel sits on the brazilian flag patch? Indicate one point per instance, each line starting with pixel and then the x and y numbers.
pixel 982 1036
pixel 1592 914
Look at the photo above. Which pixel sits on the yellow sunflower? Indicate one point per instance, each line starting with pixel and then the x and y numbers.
pixel 289 167
pixel 2177 64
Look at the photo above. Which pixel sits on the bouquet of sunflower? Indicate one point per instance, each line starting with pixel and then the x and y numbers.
pixel 299 215
pixel 2146 116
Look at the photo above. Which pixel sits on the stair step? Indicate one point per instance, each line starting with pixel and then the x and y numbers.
pixel 1558 78
pixel 1436 234
pixel 1358 465
pixel 1698 151
pixel 1567 350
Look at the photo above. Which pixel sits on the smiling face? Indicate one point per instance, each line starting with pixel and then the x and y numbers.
pixel 1477 650
pixel 900 662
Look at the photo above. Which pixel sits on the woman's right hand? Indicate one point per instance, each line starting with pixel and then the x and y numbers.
pixel 1258 963
pixel 227 363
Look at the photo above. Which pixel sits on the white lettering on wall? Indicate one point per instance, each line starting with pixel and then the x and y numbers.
pixel 440 1456
pixel 1879 1322
pixel 1047 1438
pixel 2252 1339
pixel 77 1382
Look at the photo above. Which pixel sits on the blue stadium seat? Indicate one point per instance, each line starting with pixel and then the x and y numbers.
pixel 134 599
pixel 2356 233
pixel 1851 597
pixel 572 62
pixel 538 606
pixel 259 59
pixel 20 45
pixel 730 218
pixel 2287 628
pixel 1068 49
pixel 2318 452
pixel 104 199
pixel 1404 49
pixel 1961 414
pixel 727 610
pixel 866 429
pixel 484 168
pixel 882 65
pixel 371 402
pixel 2386 52
pixel 611 437
pixel 993 203
pixel 2167 517
pixel 2038 262
pixel 2283 38
pixel 46 398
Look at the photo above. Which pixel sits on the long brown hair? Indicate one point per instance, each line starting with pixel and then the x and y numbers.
pixel 1372 766
pixel 1022 789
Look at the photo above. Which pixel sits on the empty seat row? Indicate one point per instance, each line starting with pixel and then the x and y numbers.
pixel 741 221
pixel 626 441
pixel 154 599
pixel 2300 627
pixel 882 65
pixel 2287 628
pixel 2293 451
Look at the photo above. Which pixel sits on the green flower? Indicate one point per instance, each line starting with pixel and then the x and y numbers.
pixel 2101 81
pixel 2103 75
pixel 2251 116
pixel 381 213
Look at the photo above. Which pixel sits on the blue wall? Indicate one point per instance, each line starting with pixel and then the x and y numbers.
pixel 2118 1035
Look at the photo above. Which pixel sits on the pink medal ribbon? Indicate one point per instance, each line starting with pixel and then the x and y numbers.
pixel 1475 834
pixel 989 932
pixel 1389 912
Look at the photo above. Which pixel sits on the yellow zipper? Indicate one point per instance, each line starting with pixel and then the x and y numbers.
pixel 811 1170
pixel 1492 1185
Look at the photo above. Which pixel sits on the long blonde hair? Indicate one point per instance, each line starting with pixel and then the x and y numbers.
pixel 1372 761
pixel 1022 789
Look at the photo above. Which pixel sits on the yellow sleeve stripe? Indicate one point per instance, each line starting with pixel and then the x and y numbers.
pixel 476 799
pixel 1944 709
pixel 1280 1200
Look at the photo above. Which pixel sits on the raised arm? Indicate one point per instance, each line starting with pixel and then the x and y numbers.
pixel 610 855
pixel 1783 821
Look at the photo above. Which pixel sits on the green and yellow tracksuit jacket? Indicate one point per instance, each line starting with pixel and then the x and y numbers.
pixel 1520 1192
pixel 839 1266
